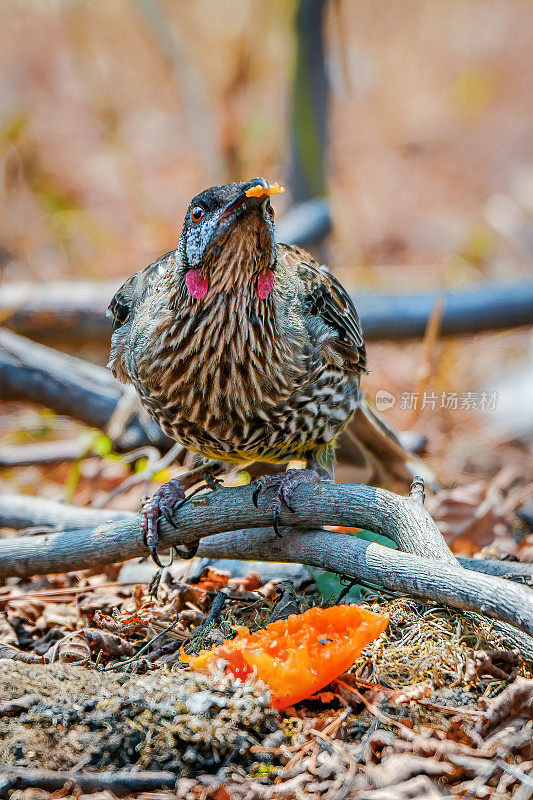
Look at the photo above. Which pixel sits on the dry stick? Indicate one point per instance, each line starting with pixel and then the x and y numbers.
pixel 122 782
pixel 42 453
pixel 19 511
pixel 431 574
pixel 144 476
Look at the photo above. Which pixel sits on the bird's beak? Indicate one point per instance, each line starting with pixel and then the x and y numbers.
pixel 256 190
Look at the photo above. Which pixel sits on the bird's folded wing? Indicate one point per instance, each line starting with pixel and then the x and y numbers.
pixel 136 288
pixel 323 296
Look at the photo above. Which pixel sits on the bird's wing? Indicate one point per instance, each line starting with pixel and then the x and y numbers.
pixel 323 296
pixel 136 288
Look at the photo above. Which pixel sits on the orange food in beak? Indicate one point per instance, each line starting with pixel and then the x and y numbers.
pixel 260 191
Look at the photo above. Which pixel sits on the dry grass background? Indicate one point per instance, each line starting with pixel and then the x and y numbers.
pixel 430 164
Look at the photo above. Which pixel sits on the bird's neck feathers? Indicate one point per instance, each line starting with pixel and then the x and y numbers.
pixel 240 264
pixel 240 256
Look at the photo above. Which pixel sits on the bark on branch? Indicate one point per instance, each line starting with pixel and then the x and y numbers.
pixel 230 526
pixel 21 511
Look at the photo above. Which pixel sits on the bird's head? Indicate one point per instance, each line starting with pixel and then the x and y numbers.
pixel 227 239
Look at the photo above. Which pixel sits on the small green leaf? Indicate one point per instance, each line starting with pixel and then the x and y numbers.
pixel 330 584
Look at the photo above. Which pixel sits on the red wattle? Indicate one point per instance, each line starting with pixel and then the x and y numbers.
pixel 196 284
pixel 265 282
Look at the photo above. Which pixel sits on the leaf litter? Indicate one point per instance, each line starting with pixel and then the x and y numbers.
pixel 435 707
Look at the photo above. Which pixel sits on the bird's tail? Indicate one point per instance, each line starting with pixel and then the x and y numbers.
pixel 370 446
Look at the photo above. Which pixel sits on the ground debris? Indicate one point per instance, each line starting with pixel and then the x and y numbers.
pixel 515 701
pixel 436 706
pixel 183 722
pixel 426 643
pixel 499 664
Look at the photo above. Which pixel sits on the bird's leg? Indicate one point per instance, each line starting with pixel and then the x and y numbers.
pixel 285 483
pixel 167 500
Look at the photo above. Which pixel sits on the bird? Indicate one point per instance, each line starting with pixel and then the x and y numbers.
pixel 247 350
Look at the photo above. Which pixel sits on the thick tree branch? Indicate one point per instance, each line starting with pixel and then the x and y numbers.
pixel 399 518
pixel 227 516
pixel 21 511
pixel 58 309
pixel 487 307
pixel 38 374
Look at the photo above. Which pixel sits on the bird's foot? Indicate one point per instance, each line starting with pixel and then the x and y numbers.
pixel 164 501
pixel 285 483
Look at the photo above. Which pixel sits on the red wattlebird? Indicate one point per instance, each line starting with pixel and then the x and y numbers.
pixel 246 350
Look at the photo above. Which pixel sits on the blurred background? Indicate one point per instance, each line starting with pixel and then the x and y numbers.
pixel 413 119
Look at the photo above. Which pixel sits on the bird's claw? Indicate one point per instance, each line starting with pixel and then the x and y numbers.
pixel 164 501
pixel 186 551
pixel 155 557
pixel 285 483
pixel 276 509
pixel 256 493
pixel 286 497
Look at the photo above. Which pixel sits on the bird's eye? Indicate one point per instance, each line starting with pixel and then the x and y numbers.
pixel 197 213
pixel 270 211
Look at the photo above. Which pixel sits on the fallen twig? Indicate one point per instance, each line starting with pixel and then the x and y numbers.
pixel 19 511
pixel 42 453
pixel 145 476
pixel 122 782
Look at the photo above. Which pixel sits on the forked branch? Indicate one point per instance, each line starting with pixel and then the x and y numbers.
pixel 229 526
